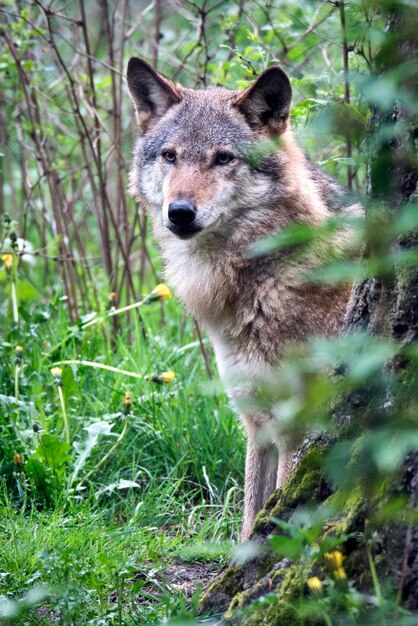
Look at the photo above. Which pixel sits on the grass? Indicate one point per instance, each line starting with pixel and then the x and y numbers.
pixel 96 567
pixel 169 492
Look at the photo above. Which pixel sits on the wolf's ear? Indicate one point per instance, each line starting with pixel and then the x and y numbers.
pixel 266 103
pixel 152 93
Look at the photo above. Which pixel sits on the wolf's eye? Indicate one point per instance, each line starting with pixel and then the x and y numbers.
pixel 223 158
pixel 169 156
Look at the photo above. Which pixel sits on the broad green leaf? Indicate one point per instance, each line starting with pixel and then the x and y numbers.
pixel 52 450
pixel 288 547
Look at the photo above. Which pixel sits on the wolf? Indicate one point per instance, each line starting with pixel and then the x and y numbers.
pixel 212 192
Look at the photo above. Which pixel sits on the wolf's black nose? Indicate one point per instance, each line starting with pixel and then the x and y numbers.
pixel 181 212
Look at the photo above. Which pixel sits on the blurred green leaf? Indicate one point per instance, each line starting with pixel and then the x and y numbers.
pixel 288 547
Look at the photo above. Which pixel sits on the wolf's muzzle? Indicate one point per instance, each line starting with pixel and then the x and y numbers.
pixel 182 215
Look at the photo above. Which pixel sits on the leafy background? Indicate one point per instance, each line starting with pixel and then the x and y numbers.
pixel 108 480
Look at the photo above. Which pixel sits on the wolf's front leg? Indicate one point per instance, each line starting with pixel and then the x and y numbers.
pixel 286 455
pixel 260 477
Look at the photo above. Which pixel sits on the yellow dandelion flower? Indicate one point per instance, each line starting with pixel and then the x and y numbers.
pixel 160 292
pixel 7 260
pixel 334 559
pixel 339 574
pixel 167 377
pixel 19 349
pixel 314 584
pixel 56 372
pixel 164 378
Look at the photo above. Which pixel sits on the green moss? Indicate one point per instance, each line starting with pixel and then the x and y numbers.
pixel 290 587
pixel 282 608
pixel 229 586
pixel 261 520
pixel 219 594
pixel 273 614
pixel 239 600
pixel 271 608
pixel 304 483
pixel 271 502
pixel 348 500
pixel 278 575
pixel 245 597
pixel 303 486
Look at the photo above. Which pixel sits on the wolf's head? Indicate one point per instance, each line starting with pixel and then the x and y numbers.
pixel 205 155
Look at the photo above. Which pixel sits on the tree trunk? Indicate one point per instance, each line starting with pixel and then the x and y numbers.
pixel 384 306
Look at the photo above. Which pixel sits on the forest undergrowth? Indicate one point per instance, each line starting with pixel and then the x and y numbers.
pixel 121 461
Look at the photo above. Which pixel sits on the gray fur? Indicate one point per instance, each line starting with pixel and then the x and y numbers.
pixel 252 308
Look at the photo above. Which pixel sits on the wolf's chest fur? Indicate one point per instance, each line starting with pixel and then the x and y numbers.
pixel 251 307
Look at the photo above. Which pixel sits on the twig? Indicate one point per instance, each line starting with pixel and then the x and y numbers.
pixel 341 6
pixel 203 350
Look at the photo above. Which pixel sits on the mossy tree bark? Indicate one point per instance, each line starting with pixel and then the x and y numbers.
pixel 385 306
